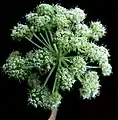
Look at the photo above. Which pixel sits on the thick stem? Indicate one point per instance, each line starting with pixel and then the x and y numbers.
pixel 53 114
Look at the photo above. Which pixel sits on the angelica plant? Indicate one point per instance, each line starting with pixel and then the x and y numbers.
pixel 65 49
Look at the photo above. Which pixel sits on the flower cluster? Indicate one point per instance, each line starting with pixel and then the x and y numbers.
pixel 78 66
pixel 15 66
pixel 41 96
pixel 45 9
pixel 106 69
pixel 65 78
pixel 20 31
pixel 98 30
pixel 83 30
pixel 61 21
pixel 20 67
pixel 90 85
pixel 40 59
pixel 78 15
pixel 37 23
pixel 65 49
pixel 96 54
pixel 60 10
pixel 65 39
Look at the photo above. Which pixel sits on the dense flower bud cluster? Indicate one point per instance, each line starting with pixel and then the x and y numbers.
pixel 78 66
pixel 40 59
pixel 98 30
pixel 66 48
pixel 15 66
pixel 65 78
pixel 91 85
pixel 41 96
pixel 21 31
pixel 77 14
pixel 45 9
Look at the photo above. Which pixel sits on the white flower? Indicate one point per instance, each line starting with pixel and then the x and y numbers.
pixel 90 85
pixel 77 15
pixel 98 30
pixel 20 31
pixel 106 69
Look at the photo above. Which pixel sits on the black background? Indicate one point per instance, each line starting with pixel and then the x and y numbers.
pixel 13 95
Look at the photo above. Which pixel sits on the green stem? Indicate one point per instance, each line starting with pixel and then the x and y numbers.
pixel 60 57
pixel 50 47
pixel 67 60
pixel 51 36
pixel 69 57
pixel 33 43
pixel 43 38
pixel 64 62
pixel 65 53
pixel 55 47
pixel 47 37
pixel 40 40
pixel 92 67
pixel 60 52
pixel 54 86
pixel 49 75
